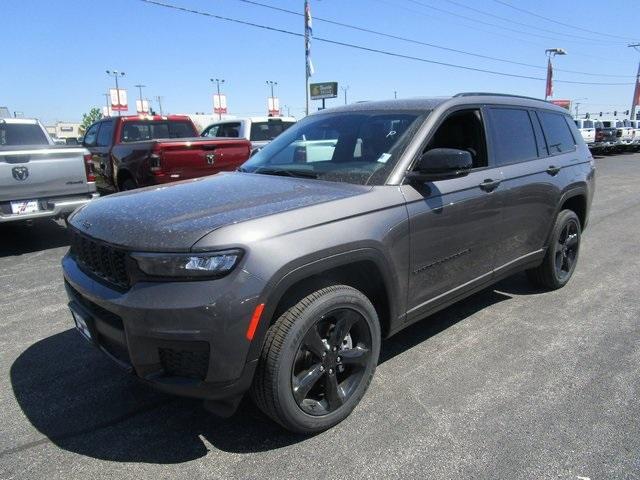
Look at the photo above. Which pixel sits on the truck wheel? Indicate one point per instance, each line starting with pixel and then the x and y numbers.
pixel 318 360
pixel 128 184
pixel 562 253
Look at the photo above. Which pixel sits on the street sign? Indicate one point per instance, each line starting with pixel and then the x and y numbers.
pixel 219 103
pixel 142 106
pixel 118 100
pixel 273 106
pixel 318 91
pixel 562 103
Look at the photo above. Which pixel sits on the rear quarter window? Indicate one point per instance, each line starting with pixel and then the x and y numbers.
pixel 512 135
pixel 557 133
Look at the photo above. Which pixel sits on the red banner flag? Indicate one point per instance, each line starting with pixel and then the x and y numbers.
pixel 636 92
pixel 549 90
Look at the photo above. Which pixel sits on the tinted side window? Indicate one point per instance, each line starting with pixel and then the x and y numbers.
pixel 556 131
pixel 212 131
pixel 230 130
pixel 90 136
pixel 513 137
pixel 105 134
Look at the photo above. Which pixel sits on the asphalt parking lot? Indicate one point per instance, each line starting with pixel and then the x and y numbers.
pixel 511 383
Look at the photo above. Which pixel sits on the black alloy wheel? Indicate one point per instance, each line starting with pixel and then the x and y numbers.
pixel 331 361
pixel 566 250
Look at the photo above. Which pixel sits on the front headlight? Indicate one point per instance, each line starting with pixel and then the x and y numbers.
pixel 187 265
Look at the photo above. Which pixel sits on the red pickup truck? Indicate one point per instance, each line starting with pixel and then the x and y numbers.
pixel 135 151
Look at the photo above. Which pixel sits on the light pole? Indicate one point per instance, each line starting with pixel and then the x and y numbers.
pixel 345 90
pixel 115 74
pixel 395 94
pixel 551 52
pixel 140 87
pixel 159 99
pixel 218 81
pixel 107 97
pixel 636 90
pixel 577 104
pixel 271 83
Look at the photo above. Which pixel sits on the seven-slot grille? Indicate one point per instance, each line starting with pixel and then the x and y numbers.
pixel 101 259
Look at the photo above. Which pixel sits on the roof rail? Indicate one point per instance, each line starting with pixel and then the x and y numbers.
pixel 489 94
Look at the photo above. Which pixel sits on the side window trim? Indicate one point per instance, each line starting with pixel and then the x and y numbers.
pixel 493 125
pixel 541 140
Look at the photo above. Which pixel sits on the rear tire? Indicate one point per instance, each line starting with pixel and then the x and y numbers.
pixel 561 257
pixel 318 360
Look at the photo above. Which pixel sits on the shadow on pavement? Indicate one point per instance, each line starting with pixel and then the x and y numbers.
pixel 84 404
pixel 20 238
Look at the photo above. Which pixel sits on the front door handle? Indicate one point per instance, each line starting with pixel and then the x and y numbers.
pixel 489 185
pixel 553 170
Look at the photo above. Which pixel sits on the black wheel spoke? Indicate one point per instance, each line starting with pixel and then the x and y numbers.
pixel 314 343
pixel 355 356
pixel 333 393
pixel 344 321
pixel 305 381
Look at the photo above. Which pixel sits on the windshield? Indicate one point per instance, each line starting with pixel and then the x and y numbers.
pixel 12 134
pixel 150 130
pixel 354 147
pixel 266 131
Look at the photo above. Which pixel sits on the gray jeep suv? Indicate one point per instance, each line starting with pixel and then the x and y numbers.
pixel 282 278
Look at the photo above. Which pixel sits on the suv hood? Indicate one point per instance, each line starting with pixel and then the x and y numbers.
pixel 174 217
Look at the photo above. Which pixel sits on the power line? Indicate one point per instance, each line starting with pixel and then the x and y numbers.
pixel 361 47
pixel 418 42
pixel 555 32
pixel 448 12
pixel 503 35
pixel 522 10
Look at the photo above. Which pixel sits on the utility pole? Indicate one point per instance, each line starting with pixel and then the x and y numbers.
pixel 140 87
pixel 308 66
pixel 159 99
pixel 115 74
pixel 345 90
pixel 551 52
pixel 395 94
pixel 218 81
pixel 577 104
pixel 636 90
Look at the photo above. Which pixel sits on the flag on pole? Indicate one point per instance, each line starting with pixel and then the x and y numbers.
pixel 308 33
pixel 549 90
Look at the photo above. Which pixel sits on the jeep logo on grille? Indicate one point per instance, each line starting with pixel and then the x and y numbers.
pixel 20 173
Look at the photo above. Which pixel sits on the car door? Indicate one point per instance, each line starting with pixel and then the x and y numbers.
pixel 452 222
pixel 531 182
pixel 101 156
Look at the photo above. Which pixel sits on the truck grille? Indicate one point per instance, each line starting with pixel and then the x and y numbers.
pixel 100 259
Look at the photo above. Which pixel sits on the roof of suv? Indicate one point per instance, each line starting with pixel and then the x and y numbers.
pixel 429 103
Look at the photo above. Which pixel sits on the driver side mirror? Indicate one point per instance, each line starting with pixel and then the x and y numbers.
pixel 442 163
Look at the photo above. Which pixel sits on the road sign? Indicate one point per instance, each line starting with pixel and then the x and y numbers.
pixel 273 106
pixel 219 103
pixel 318 91
pixel 118 100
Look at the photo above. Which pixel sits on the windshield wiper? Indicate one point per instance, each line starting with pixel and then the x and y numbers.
pixel 283 172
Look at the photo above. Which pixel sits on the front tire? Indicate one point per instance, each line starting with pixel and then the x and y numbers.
pixel 562 253
pixel 318 360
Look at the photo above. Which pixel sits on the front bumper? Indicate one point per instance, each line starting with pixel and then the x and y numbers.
pixel 50 207
pixel 185 338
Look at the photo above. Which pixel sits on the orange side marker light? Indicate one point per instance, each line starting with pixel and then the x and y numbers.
pixel 255 320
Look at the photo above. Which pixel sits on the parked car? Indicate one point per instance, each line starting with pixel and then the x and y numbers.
pixel 587 129
pixel 135 151
pixel 635 126
pixel 258 130
pixel 624 134
pixel 37 178
pixel 282 279
pixel 606 138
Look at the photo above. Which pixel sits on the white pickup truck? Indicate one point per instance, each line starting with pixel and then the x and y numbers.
pixel 587 129
pixel 37 178
pixel 258 130
pixel 624 133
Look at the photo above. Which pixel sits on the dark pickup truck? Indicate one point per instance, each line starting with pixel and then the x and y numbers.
pixel 135 151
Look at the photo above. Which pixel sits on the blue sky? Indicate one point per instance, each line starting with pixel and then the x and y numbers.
pixel 56 53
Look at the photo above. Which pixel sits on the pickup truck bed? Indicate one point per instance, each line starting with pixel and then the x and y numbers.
pixel 47 181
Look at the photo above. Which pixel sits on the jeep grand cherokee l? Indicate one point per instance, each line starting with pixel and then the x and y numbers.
pixel 282 278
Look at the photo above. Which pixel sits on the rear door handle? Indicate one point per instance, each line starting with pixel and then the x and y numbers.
pixel 489 185
pixel 553 170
